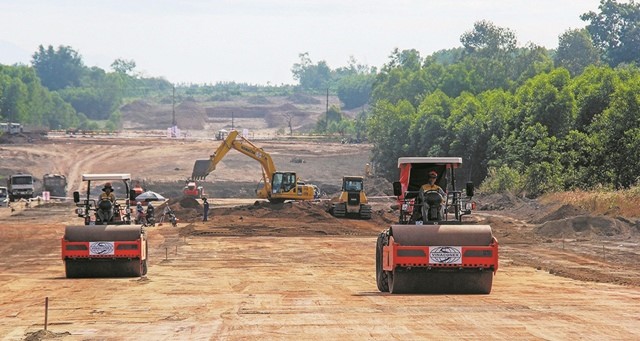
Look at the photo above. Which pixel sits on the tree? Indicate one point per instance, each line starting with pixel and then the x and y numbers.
pixel 59 68
pixel 488 39
pixel 576 51
pixel 311 76
pixel 123 66
pixel 355 90
pixel 616 31
pixel 288 117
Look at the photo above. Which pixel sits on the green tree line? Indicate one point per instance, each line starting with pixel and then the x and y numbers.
pixel 58 91
pixel 524 119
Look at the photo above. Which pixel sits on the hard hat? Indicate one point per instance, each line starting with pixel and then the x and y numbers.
pixel 138 203
pixel 433 174
pixel 107 185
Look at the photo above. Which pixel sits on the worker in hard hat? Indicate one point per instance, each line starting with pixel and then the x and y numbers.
pixel 106 203
pixel 107 193
pixel 440 202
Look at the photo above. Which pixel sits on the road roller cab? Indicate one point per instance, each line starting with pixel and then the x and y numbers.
pixel 107 244
pixel 431 249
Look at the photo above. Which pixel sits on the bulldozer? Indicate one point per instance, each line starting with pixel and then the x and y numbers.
pixel 278 186
pixel 352 200
pixel 108 244
pixel 431 249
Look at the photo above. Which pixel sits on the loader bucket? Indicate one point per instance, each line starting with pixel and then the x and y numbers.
pixel 104 251
pixel 200 169
pixel 440 259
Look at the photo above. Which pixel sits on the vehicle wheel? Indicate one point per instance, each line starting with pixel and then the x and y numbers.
pixel 381 275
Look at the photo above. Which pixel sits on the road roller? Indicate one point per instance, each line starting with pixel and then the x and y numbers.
pixel 432 250
pixel 107 244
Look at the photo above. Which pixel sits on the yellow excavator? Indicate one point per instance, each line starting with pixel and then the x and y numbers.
pixel 278 186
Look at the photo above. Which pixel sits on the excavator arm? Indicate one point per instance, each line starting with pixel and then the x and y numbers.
pixel 203 167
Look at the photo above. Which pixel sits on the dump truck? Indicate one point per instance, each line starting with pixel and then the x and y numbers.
pixel 55 184
pixel 278 186
pixel 20 186
pixel 352 200
pixel 431 249
pixel 108 244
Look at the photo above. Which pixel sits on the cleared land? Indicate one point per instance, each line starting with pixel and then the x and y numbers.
pixel 292 271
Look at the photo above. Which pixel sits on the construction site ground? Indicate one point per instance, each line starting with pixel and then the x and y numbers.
pixel 292 271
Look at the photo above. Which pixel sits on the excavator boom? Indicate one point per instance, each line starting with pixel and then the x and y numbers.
pixel 286 183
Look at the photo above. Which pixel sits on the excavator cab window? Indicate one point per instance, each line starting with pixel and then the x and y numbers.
pixel 283 182
pixel 276 182
pixel 288 182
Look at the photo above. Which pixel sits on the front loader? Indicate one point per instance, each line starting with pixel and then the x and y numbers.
pixel 431 250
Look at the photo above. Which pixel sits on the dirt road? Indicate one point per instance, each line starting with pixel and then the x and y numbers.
pixel 244 275
pixel 291 271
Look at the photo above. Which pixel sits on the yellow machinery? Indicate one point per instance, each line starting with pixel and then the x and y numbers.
pixel 352 200
pixel 278 186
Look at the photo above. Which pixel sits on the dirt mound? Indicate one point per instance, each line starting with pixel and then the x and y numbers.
pixel 587 227
pixel 43 335
pixel 498 202
pixel 565 211
pixel 303 99
pixel 264 209
pixel 378 186
pixel 136 106
pixel 190 115
pixel 258 100
pixel 188 202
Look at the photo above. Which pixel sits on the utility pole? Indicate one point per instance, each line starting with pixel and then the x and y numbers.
pixel 173 104
pixel 327 112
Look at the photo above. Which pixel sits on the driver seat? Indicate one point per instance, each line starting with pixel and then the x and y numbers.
pixel 104 213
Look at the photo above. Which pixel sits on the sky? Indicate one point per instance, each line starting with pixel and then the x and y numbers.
pixel 258 41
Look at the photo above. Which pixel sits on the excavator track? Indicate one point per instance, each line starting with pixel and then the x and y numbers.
pixel 340 210
pixel 365 211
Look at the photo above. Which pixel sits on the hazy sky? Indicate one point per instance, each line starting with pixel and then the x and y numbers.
pixel 258 41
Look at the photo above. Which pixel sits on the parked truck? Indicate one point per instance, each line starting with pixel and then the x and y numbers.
pixel 55 184
pixel 4 201
pixel 20 186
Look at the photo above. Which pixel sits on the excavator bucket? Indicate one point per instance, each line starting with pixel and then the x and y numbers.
pixel 438 259
pixel 104 251
pixel 200 169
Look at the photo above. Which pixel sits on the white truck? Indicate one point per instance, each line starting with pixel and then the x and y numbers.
pixel 20 186
pixel 4 201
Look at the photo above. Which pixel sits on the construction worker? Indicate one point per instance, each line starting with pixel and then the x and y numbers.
pixel 107 193
pixel 205 205
pixel 140 213
pixel 367 169
pixel 431 184
pixel 106 203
